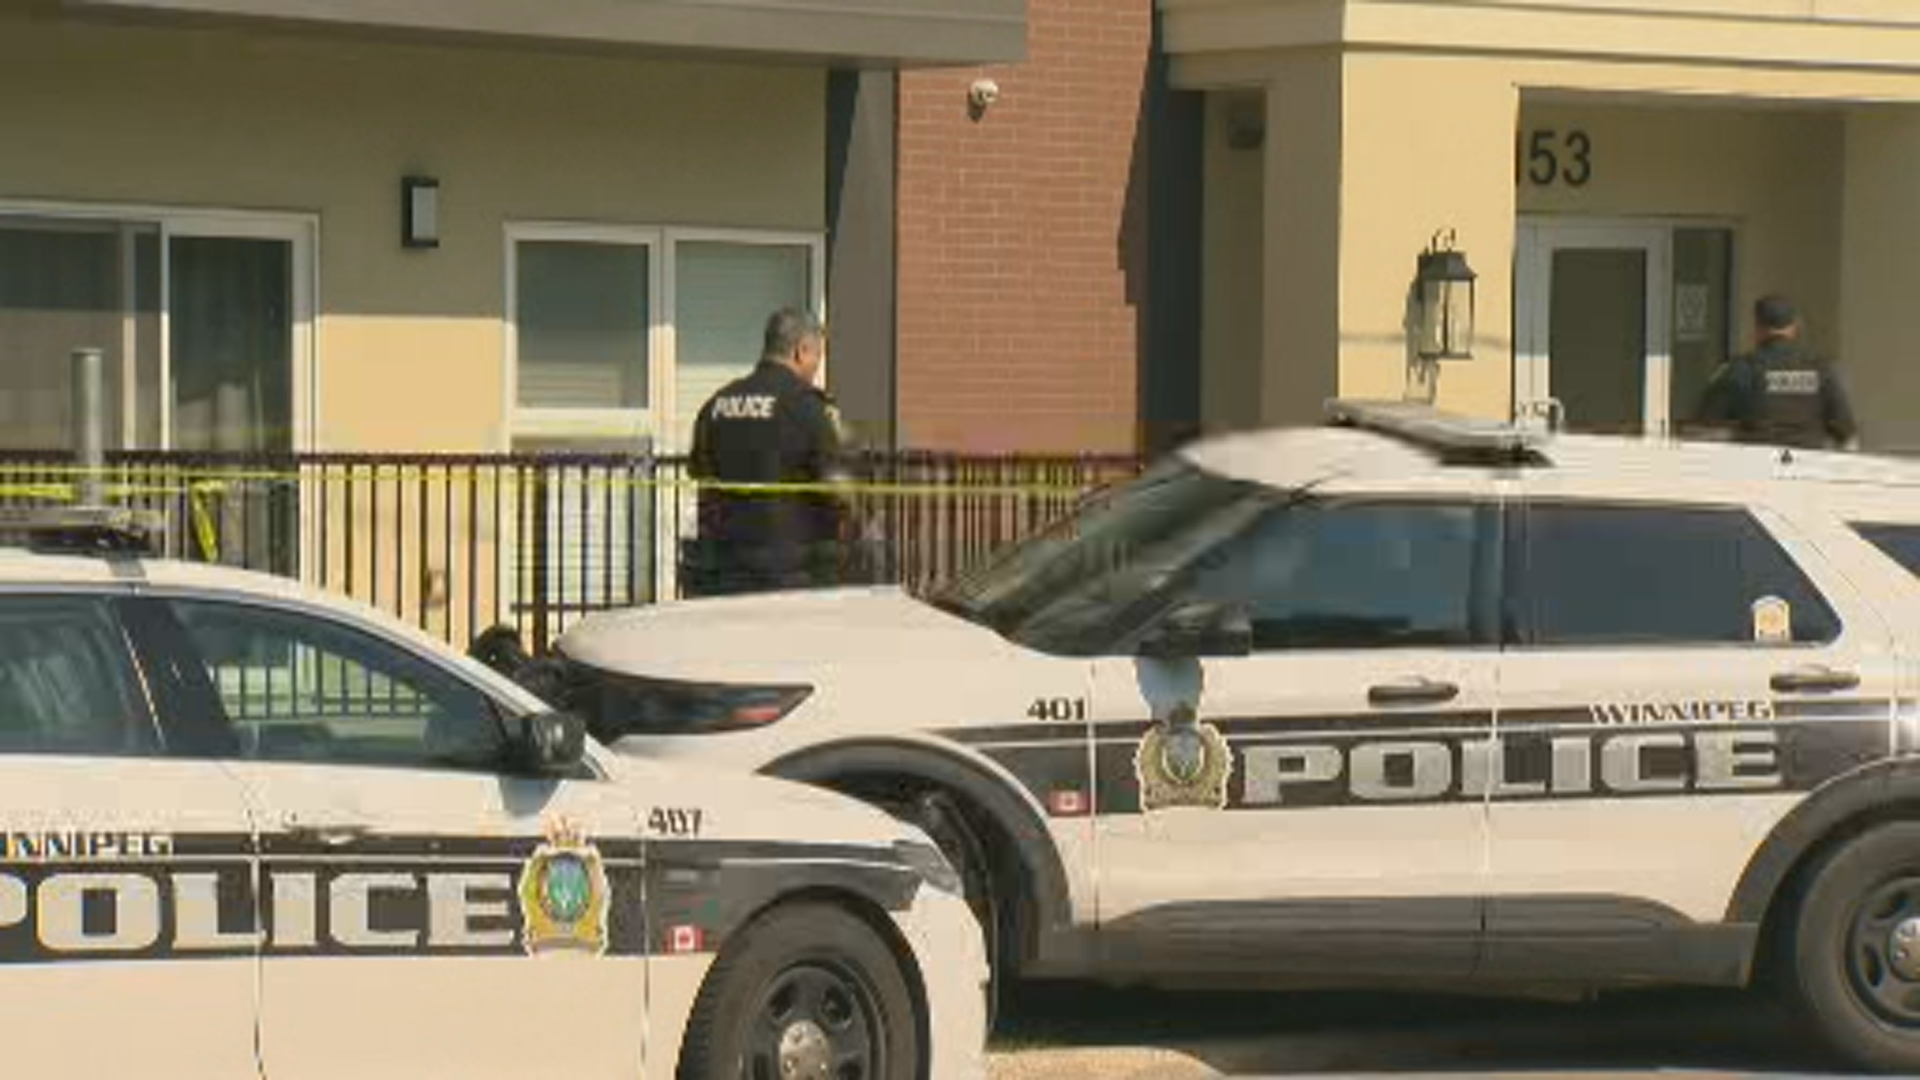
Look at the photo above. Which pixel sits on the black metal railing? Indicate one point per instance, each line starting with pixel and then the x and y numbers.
pixel 455 544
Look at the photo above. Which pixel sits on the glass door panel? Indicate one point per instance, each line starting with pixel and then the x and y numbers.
pixel 231 338
pixel 1702 312
pixel 1597 338
pixel 239 308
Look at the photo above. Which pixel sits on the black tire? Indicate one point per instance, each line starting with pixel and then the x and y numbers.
pixel 947 824
pixel 807 965
pixel 1854 954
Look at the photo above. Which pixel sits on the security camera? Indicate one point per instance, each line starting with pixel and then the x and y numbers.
pixel 982 94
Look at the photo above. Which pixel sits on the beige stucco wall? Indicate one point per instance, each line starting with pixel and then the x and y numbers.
pixel 1880 271
pixel 1775 175
pixel 1408 174
pixel 409 343
pixel 1231 330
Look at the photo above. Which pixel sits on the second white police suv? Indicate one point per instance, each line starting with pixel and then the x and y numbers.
pixel 1399 699
pixel 249 830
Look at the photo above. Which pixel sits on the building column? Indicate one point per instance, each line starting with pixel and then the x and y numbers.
pixel 1429 145
pixel 1879 263
pixel 862 107
pixel 1300 339
pixel 1233 299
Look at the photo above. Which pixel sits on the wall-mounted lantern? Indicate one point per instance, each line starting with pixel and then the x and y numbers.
pixel 1446 301
pixel 419 212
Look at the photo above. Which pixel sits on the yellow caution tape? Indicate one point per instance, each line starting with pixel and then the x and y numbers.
pixel 205 532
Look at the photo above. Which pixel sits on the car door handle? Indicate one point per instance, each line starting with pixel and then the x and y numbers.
pixel 1413 692
pixel 1814 680
pixel 332 834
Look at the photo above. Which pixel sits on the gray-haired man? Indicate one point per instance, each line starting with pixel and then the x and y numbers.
pixel 772 426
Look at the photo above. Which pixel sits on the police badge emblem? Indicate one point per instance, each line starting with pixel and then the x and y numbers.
pixel 1183 763
pixel 1772 621
pixel 564 896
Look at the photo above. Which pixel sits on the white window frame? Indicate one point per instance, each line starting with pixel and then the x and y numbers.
pixel 658 422
pixel 615 423
pixel 301 230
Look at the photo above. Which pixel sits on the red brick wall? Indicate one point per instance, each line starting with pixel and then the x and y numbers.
pixel 1018 318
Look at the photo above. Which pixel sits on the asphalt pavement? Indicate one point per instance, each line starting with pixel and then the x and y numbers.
pixel 1074 1032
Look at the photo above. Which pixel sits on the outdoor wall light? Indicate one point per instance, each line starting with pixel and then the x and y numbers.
pixel 981 96
pixel 419 212
pixel 1446 298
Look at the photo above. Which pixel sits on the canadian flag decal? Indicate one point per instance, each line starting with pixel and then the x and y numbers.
pixel 685 939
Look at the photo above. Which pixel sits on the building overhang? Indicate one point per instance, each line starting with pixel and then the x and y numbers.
pixel 876 33
pixel 1867 36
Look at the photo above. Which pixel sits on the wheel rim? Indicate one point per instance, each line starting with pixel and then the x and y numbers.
pixel 1883 951
pixel 817 1021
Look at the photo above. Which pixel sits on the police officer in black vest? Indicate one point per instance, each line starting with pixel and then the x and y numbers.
pixel 774 426
pixel 1778 394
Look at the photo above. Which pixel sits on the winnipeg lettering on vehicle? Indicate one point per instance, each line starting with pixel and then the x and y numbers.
pixel 1666 712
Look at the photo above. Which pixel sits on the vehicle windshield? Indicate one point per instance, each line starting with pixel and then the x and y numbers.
pixel 1075 585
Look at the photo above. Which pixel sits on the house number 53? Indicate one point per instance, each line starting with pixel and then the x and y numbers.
pixel 1549 156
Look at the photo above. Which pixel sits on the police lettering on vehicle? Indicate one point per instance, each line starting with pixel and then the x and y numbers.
pixel 73 895
pixel 1403 770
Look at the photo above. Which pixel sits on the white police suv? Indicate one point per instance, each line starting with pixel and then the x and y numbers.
pixel 1397 699
pixel 246 830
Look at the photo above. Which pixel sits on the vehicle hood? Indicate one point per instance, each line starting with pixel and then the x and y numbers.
pixel 741 806
pixel 777 636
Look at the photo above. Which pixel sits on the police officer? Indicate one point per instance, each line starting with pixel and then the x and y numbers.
pixel 771 426
pixel 1778 394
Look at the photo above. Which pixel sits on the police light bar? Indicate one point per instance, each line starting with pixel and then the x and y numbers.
pixel 1451 435
pixel 81 530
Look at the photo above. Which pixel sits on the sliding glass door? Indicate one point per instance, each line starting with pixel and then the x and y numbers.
pixel 206 323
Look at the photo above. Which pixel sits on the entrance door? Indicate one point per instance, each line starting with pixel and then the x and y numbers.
pixel 205 320
pixel 205 323
pixel 1592 325
pixel 236 368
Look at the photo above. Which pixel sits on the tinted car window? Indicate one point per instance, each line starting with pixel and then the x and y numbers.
pixel 299 688
pixel 67 684
pixel 1075 586
pixel 1901 543
pixel 1608 575
pixel 1356 576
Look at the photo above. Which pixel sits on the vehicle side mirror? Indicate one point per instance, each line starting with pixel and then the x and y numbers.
pixel 550 744
pixel 1200 629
